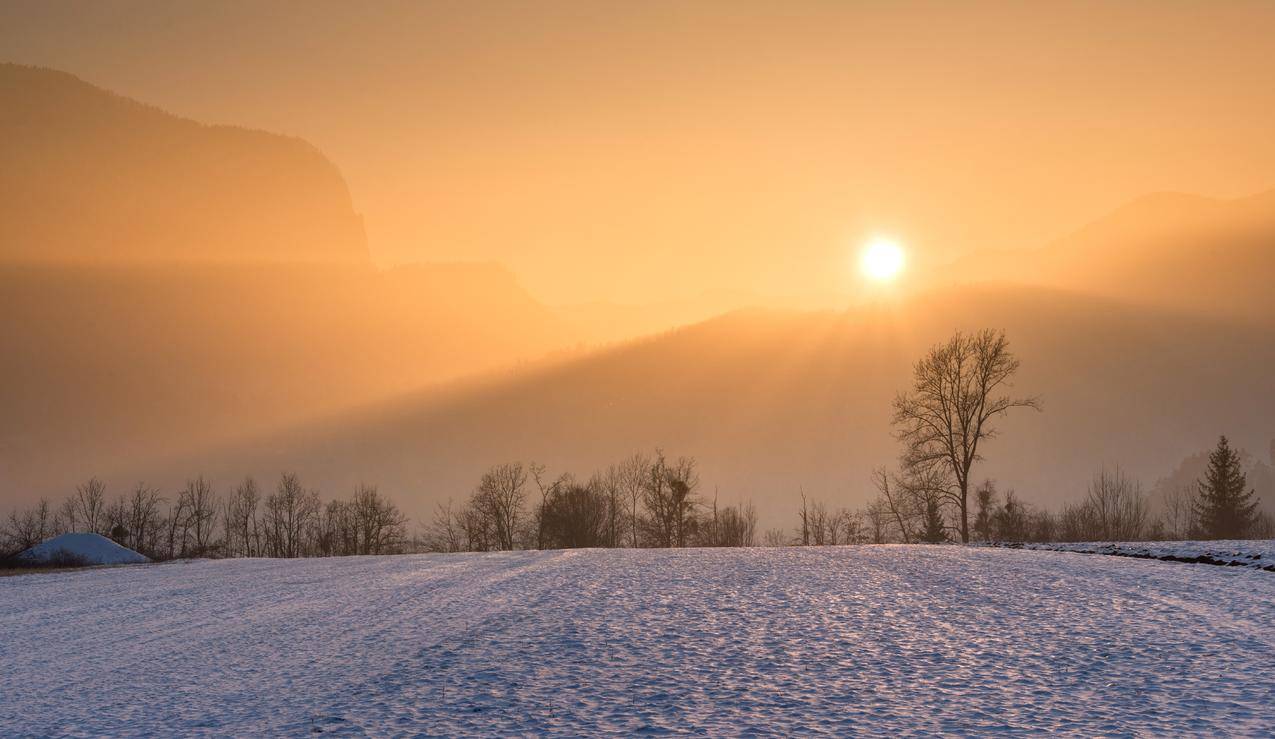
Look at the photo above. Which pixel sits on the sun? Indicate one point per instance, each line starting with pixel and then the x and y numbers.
pixel 881 260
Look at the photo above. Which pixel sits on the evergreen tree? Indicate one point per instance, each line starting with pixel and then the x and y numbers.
pixel 986 497
pixel 1225 510
pixel 933 522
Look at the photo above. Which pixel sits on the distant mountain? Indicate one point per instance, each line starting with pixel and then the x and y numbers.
pixel 166 286
pixel 87 174
pixel 773 403
pixel 1183 251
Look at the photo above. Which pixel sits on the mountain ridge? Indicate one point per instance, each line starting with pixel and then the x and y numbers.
pixel 94 175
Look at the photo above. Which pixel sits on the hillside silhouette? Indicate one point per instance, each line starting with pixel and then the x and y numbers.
pixel 1181 251
pixel 772 403
pixel 90 175
pixel 104 363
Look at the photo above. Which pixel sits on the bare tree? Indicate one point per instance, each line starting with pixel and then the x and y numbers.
pixel 479 536
pixel 67 518
pixel 631 475
pixel 948 413
pixel 610 484
pixel 1042 526
pixel 851 527
pixel 682 484
pixel 199 503
pixel 574 516
pixel 89 507
pixel 144 520
pixel 669 498
pixel 739 525
pixel 28 528
pixel 500 499
pixel 289 513
pixel 445 533
pixel 878 515
pixel 1118 506
pixel 117 521
pixel 178 519
pixel 775 538
pixel 1178 503
pixel 803 520
pixel 243 528
pixel 728 526
pixel 901 508
pixel 376 524
pixel 821 525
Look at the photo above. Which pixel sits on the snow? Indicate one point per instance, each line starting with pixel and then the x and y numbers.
pixel 837 640
pixel 92 549
pixel 1255 553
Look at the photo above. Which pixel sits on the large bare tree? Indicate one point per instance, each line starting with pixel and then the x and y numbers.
pixel 957 390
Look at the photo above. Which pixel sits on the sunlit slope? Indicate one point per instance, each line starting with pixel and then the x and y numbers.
pixel 1182 251
pixel 772 403
pixel 103 366
pixel 90 175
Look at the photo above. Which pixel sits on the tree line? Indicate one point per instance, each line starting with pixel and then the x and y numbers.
pixel 289 521
pixel 959 391
pixel 641 501
pixel 1115 507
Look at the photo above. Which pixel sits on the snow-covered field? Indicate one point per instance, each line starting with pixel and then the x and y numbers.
pixel 1255 553
pixel 770 641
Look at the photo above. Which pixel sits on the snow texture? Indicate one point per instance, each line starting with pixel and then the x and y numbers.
pixel 794 641
pixel 91 549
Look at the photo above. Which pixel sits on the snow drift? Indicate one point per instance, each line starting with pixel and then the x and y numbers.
pixel 89 549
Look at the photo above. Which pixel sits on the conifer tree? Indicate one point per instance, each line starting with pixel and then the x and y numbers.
pixel 1224 509
pixel 933 533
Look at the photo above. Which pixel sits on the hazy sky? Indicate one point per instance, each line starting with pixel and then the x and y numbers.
pixel 644 150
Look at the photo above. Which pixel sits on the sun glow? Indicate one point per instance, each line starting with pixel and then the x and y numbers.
pixel 881 260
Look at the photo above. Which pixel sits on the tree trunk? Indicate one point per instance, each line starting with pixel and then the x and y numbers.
pixel 965 511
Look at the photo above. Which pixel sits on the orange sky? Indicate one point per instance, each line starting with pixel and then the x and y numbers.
pixel 643 151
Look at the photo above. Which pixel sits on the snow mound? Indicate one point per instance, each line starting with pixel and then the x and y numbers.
pixel 91 549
